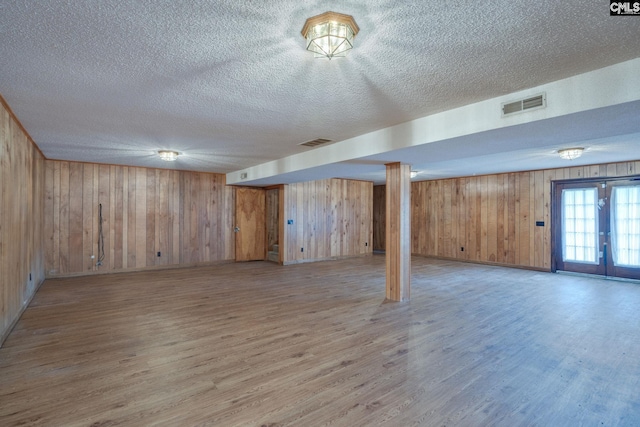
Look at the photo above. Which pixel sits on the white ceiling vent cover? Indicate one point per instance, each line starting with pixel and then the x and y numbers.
pixel 526 104
pixel 315 142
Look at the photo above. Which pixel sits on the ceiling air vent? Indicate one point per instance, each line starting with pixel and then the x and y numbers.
pixel 315 142
pixel 527 104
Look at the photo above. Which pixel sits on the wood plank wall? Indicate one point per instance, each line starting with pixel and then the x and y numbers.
pixel 331 218
pixel 186 216
pixel 21 220
pixel 494 216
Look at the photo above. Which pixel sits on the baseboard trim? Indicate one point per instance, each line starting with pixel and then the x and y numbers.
pixel 333 258
pixel 15 321
pixel 135 270
pixel 493 264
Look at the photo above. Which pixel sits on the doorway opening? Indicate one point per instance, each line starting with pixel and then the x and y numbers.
pixel 273 225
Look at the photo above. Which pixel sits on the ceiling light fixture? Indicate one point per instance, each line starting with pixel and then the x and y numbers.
pixel 571 153
pixel 330 34
pixel 414 174
pixel 168 156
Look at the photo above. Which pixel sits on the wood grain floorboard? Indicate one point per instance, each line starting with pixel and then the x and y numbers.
pixel 257 344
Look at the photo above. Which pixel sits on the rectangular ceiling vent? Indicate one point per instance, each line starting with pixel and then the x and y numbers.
pixel 315 142
pixel 521 105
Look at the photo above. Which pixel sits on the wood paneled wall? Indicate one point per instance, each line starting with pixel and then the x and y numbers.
pixel 21 233
pixel 493 217
pixel 186 216
pixel 331 218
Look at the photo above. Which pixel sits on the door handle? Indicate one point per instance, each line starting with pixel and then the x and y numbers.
pixel 602 202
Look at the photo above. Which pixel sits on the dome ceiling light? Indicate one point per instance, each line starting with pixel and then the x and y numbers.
pixel 168 156
pixel 571 153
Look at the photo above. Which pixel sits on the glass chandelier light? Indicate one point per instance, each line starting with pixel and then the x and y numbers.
pixel 571 153
pixel 330 34
pixel 168 156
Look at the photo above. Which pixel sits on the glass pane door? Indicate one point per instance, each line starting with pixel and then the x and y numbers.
pixel 597 228
pixel 580 238
pixel 624 224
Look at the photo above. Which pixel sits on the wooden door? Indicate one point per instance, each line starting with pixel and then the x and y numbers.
pixel 250 226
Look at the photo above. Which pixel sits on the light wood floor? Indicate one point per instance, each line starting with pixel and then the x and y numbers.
pixel 315 344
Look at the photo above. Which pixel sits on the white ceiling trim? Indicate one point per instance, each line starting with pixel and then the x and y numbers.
pixel 605 87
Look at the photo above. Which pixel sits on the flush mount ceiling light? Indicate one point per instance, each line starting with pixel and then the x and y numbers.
pixel 330 34
pixel 571 153
pixel 168 156
pixel 414 174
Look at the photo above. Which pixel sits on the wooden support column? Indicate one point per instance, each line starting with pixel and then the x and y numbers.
pixel 398 232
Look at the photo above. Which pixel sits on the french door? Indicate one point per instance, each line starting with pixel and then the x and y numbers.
pixel 597 228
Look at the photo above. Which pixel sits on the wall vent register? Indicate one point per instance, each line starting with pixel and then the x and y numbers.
pixel 526 104
pixel 316 142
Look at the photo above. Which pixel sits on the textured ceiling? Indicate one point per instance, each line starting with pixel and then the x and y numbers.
pixel 229 84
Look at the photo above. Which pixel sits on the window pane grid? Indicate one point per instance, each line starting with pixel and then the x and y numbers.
pixel 580 228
